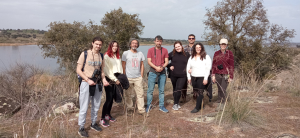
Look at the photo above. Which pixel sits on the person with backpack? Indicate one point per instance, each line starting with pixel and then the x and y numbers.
pixel 112 67
pixel 90 69
pixel 158 59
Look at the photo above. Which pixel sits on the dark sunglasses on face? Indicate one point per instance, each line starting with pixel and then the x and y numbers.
pixel 191 38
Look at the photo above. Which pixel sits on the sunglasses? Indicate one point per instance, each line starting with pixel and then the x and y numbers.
pixel 191 38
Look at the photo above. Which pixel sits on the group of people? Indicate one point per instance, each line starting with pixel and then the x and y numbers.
pixel 189 65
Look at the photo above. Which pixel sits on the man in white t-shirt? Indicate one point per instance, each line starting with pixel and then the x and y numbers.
pixel 133 67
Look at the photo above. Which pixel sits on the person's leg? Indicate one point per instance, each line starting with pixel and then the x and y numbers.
pixel 83 103
pixel 224 85
pixel 96 101
pixel 138 87
pixel 151 84
pixel 208 87
pixel 184 91
pixel 109 99
pixel 114 91
pixel 200 90
pixel 220 89
pixel 128 92
pixel 161 87
pixel 180 84
pixel 174 80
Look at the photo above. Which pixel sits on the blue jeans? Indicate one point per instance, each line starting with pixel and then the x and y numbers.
pixel 161 88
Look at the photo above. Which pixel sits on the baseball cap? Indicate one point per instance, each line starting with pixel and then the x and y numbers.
pixel 223 40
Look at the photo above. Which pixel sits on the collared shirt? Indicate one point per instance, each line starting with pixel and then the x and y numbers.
pixel 188 49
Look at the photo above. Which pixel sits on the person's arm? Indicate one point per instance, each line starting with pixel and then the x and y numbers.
pixel 124 66
pixel 151 64
pixel 108 68
pixel 208 66
pixel 213 77
pixel 188 67
pixel 142 68
pixel 105 83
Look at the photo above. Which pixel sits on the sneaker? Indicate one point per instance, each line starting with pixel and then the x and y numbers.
pixel 195 110
pixel 175 107
pixel 178 106
pixel 110 118
pixel 83 133
pixel 162 108
pixel 104 122
pixel 148 108
pixel 96 127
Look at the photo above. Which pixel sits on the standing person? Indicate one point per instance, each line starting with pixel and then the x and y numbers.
pixel 179 59
pixel 188 49
pixel 112 66
pixel 198 69
pixel 90 87
pixel 133 67
pixel 222 71
pixel 157 59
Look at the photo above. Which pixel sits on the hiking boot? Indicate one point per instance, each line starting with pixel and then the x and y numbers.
pixel 110 118
pixel 195 110
pixel 96 127
pixel 83 133
pixel 104 122
pixel 162 108
pixel 175 107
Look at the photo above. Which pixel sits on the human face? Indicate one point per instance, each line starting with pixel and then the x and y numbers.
pixel 97 45
pixel 158 43
pixel 191 39
pixel 134 45
pixel 115 47
pixel 198 49
pixel 223 46
pixel 178 47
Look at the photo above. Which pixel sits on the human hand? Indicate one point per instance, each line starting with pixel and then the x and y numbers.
pixel 204 82
pixel 190 81
pixel 172 68
pixel 105 83
pixel 118 82
pixel 213 79
pixel 229 80
pixel 90 82
pixel 190 71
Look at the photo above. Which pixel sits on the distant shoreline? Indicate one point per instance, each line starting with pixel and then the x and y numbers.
pixel 16 44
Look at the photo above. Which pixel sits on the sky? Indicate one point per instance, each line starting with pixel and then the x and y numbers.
pixel 172 19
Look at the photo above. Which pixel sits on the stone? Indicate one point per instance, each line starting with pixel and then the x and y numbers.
pixel 66 108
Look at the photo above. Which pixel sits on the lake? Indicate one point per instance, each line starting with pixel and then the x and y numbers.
pixel 32 54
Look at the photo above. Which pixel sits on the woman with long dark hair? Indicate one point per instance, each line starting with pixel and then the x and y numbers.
pixel 112 66
pixel 198 69
pixel 179 60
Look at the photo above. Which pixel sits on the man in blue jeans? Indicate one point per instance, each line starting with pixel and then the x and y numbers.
pixel 158 59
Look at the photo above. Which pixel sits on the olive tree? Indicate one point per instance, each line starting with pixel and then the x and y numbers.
pixel 254 42
pixel 65 41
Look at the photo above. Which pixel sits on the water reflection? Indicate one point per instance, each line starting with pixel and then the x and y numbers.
pixel 15 48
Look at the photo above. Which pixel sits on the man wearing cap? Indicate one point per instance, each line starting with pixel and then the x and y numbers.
pixel 222 71
pixel 133 67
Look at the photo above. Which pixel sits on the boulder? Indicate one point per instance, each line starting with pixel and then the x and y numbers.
pixel 69 107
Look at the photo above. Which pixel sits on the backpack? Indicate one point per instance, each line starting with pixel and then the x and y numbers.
pixel 85 56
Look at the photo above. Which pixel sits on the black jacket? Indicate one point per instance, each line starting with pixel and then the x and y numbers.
pixel 124 84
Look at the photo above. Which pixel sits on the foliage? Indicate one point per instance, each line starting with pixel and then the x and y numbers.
pixel 65 41
pixel 246 26
pixel 121 26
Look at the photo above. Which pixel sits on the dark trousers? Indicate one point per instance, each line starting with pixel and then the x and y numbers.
pixel 178 86
pixel 208 87
pixel 198 89
pixel 110 91
pixel 222 84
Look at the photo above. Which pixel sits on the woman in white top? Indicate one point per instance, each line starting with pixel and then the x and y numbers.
pixel 198 69
pixel 112 65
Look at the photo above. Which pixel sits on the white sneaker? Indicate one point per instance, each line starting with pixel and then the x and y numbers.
pixel 175 107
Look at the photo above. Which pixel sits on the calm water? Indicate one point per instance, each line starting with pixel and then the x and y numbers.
pixel 32 54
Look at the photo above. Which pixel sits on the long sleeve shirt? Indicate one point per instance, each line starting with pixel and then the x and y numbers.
pixel 227 61
pixel 112 65
pixel 179 61
pixel 200 68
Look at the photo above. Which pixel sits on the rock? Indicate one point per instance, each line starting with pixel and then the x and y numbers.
pixel 286 135
pixel 8 106
pixel 66 108
pixel 170 101
pixel 292 117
